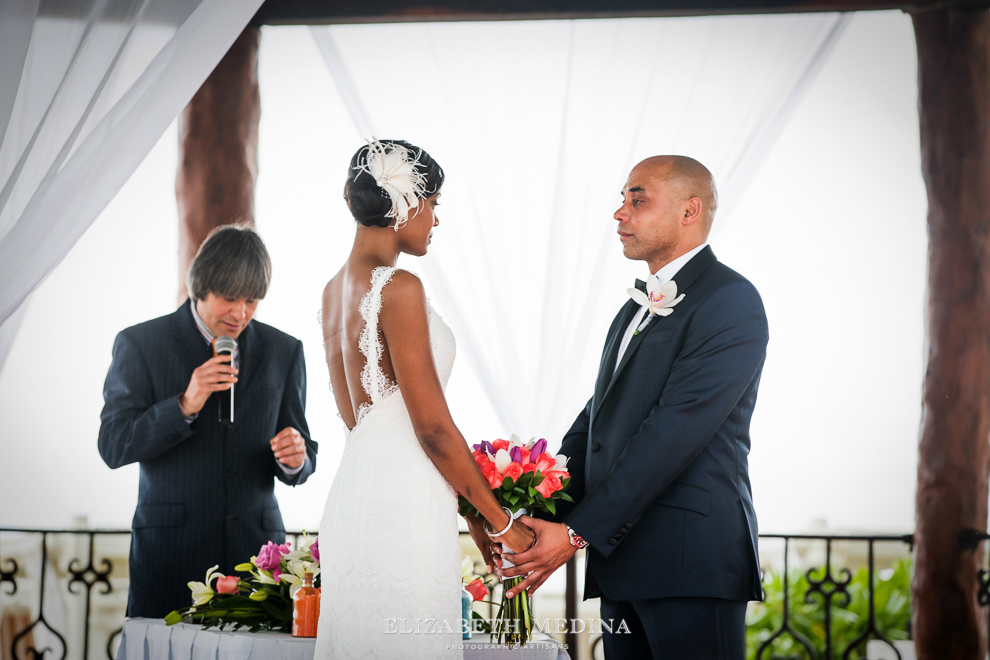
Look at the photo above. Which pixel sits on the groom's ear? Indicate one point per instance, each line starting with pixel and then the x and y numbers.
pixel 692 211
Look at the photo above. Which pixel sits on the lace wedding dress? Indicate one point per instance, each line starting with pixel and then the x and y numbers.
pixel 389 549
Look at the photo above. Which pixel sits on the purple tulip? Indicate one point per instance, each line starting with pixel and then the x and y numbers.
pixel 515 454
pixel 477 446
pixel 538 448
pixel 489 447
pixel 314 550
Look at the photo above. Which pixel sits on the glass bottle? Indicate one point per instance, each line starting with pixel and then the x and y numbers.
pixel 305 609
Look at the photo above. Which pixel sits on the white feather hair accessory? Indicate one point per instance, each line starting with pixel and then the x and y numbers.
pixel 395 170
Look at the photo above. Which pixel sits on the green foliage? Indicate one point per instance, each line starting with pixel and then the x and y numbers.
pixel 849 620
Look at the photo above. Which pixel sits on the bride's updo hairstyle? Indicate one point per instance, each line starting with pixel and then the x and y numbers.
pixel 369 199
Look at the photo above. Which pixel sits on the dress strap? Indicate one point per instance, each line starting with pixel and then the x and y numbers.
pixel 376 385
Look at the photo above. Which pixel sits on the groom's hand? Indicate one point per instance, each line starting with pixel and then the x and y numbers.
pixel 551 550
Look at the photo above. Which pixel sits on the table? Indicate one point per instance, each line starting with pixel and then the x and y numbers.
pixel 151 639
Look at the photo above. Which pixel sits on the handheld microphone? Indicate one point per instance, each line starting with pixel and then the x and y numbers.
pixel 224 345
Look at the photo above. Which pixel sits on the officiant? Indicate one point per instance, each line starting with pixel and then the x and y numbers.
pixel 206 489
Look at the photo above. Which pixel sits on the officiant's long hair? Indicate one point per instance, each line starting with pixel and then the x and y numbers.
pixel 368 202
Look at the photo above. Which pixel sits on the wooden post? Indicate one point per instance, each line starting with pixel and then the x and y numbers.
pixel 218 150
pixel 954 451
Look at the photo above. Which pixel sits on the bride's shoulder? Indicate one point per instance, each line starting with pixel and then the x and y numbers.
pixel 402 282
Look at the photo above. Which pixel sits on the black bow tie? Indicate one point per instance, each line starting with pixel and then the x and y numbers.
pixel 641 285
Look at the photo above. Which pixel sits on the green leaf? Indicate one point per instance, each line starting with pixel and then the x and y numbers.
pixel 507 483
pixel 565 496
pixel 551 507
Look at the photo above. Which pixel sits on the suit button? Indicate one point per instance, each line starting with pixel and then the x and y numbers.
pixel 618 537
pixel 595 446
pixel 231 517
pixel 627 526
pixel 613 542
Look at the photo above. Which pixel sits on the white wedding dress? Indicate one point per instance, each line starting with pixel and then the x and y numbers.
pixel 389 548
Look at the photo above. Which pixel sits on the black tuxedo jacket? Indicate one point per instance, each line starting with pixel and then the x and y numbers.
pixel 659 454
pixel 206 493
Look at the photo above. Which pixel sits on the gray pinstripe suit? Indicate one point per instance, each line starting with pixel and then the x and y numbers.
pixel 206 493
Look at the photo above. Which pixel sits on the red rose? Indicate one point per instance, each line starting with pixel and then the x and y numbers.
pixel 227 584
pixel 477 589
pixel 560 474
pixel 524 453
pixel 514 471
pixel 501 444
pixel 550 484
pixel 529 467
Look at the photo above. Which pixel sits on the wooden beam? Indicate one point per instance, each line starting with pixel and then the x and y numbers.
pixel 954 450
pixel 218 150
pixel 300 12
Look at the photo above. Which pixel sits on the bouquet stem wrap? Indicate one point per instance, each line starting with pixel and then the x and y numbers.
pixel 514 622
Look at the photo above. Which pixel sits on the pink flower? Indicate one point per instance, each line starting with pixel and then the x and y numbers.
pixel 314 550
pixel 560 474
pixel 514 471
pixel 501 444
pixel 545 464
pixel 492 475
pixel 550 484
pixel 477 589
pixel 270 556
pixel 525 455
pixel 227 584
pixel 529 467
pixel 277 574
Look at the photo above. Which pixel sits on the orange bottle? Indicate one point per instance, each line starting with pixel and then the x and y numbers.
pixel 306 609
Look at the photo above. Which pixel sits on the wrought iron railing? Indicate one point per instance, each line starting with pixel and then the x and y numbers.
pixel 90 573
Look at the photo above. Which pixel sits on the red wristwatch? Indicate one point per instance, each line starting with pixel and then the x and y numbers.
pixel 575 539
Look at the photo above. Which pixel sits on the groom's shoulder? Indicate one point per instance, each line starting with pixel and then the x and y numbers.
pixel 728 287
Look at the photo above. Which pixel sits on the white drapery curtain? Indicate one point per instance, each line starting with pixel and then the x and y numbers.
pixel 86 90
pixel 536 125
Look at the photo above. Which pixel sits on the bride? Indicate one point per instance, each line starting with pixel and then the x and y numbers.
pixel 389 546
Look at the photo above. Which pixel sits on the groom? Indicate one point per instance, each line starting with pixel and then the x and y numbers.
pixel 658 456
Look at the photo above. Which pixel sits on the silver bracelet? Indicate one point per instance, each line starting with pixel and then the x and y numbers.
pixel 493 535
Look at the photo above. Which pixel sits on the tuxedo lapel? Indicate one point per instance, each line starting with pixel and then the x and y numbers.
pixel 684 278
pixel 252 356
pixel 607 366
pixel 187 341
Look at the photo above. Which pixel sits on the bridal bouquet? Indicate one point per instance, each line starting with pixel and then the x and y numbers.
pixel 524 479
pixel 266 604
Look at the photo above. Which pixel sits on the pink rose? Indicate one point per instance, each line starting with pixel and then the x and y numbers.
pixel 529 467
pixel 545 464
pixel 560 474
pixel 477 589
pixel 277 574
pixel 514 471
pixel 524 455
pixel 314 550
pixel 501 444
pixel 270 556
pixel 492 475
pixel 227 584
pixel 550 484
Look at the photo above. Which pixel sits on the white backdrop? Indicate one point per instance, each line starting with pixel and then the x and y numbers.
pixel 836 211
pixel 538 122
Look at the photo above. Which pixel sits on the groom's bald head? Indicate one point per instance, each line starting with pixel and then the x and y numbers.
pixel 690 178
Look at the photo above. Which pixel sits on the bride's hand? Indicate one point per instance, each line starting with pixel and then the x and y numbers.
pixel 519 538
pixel 476 527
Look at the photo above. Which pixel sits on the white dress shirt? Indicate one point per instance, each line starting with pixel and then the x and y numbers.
pixel 665 275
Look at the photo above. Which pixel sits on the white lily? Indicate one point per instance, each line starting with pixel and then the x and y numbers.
pixel 202 592
pixel 467 568
pixel 502 460
pixel 515 441
pixel 658 299
pixel 561 462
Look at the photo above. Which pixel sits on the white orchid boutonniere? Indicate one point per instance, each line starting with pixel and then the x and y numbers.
pixel 659 300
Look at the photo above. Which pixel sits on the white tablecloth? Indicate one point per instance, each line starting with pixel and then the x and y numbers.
pixel 151 639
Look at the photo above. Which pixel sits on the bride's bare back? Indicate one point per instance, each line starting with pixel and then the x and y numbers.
pixel 342 328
